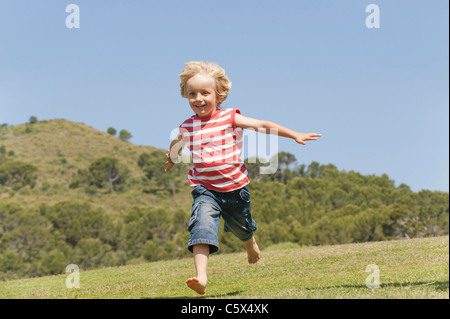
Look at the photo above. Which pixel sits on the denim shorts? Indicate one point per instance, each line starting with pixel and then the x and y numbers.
pixel 209 205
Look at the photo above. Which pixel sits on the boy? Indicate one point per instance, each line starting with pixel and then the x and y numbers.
pixel 219 176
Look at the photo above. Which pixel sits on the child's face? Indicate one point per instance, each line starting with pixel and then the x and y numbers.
pixel 202 95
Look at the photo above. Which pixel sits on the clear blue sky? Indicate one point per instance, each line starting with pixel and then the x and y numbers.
pixel 379 96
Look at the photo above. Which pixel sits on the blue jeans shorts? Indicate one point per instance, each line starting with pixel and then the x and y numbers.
pixel 209 205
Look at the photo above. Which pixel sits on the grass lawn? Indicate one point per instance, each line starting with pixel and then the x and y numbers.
pixel 415 268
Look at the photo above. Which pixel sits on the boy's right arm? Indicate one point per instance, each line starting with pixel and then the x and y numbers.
pixel 174 151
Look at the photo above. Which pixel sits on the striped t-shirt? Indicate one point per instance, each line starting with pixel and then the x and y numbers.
pixel 215 144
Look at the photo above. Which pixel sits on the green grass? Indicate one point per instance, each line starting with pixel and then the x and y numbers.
pixel 415 268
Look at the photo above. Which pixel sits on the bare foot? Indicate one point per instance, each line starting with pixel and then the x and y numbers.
pixel 197 285
pixel 252 251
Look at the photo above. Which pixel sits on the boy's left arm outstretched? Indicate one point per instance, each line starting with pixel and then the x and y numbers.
pixel 265 126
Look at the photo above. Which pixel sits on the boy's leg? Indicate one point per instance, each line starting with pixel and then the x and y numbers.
pixel 239 221
pixel 243 231
pixel 204 229
pixel 253 252
pixel 201 254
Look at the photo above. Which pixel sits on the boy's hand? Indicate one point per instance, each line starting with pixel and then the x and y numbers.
pixel 175 147
pixel 169 162
pixel 301 138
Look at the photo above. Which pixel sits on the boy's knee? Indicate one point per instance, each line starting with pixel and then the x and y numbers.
pixel 242 227
pixel 204 225
pixel 213 245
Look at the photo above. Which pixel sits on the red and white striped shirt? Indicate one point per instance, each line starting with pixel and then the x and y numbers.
pixel 215 144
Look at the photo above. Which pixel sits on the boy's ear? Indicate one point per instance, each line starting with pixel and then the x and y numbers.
pixel 218 99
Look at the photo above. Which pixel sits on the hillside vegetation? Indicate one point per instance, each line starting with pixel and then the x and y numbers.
pixel 71 194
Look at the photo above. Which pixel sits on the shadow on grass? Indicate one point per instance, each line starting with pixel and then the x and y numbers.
pixel 438 285
pixel 206 296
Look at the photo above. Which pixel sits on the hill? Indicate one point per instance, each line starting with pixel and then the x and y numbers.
pixel 415 268
pixel 70 194
pixel 59 149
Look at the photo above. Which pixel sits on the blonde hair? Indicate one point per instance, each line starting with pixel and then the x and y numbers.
pixel 212 69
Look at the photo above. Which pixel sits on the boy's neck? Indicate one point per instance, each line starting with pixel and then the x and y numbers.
pixel 207 116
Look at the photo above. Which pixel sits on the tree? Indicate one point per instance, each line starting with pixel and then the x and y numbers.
pixel 313 170
pixel 53 263
pixel 124 135
pixel 29 241
pixel 76 221
pixel 18 174
pixel 112 131
pixel 11 262
pixel 33 119
pixel 89 252
pixel 108 170
pixel 158 181
pixel 254 165
pixel 285 159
